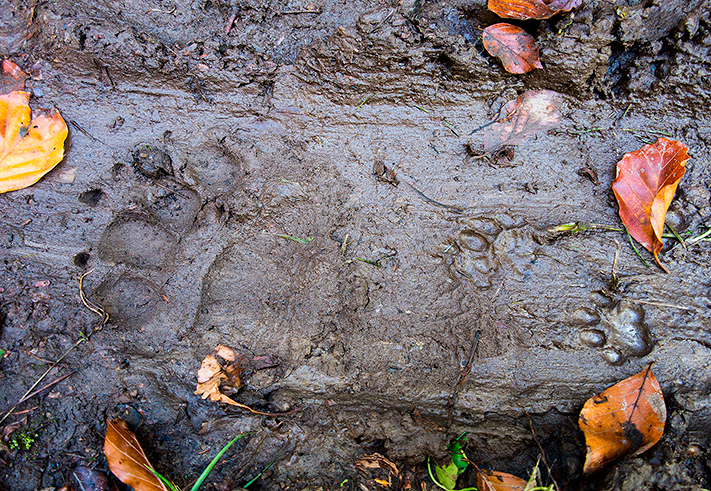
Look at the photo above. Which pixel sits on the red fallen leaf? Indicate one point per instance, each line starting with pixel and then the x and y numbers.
pixel 531 9
pixel 498 481
pixel 515 47
pixel 532 112
pixel 127 460
pixel 28 149
pixel 645 185
pixel 627 418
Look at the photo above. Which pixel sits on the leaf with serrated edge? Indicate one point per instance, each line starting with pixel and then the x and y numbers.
pixel 127 460
pixel 515 47
pixel 29 148
pixel 626 418
pixel 644 187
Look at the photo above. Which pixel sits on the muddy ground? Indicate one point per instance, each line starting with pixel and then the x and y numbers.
pixel 191 148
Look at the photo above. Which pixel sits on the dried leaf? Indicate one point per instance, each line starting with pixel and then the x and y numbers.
pixel 208 369
pixel 532 112
pixel 212 376
pixel 498 481
pixel 28 149
pixel 377 461
pixel 645 185
pixel 531 9
pixel 515 47
pixel 225 352
pixel 627 418
pixel 127 460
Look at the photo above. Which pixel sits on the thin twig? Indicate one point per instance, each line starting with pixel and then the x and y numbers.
pixel 543 454
pixel 41 378
pixel 296 12
pixel 47 386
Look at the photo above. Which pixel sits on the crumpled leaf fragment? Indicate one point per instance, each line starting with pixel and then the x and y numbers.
pixel 644 187
pixel 29 148
pixel 627 418
pixel 127 460
pixel 516 48
pixel 531 9
pixel 214 377
pixel 531 113
pixel 370 464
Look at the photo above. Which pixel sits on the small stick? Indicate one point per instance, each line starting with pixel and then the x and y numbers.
pixel 98 310
pixel 295 239
pixel 47 386
pixel 296 12
pixel 230 23
pixel 345 244
pixel 468 367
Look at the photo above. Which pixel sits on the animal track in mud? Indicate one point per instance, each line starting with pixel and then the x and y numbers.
pixel 619 330
pixel 480 245
pixel 138 242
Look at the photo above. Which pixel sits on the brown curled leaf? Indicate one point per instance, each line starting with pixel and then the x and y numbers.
pixel 127 460
pixel 515 47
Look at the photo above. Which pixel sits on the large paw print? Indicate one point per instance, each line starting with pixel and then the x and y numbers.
pixel 618 330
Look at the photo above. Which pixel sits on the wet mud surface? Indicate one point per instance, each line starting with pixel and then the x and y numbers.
pixel 193 152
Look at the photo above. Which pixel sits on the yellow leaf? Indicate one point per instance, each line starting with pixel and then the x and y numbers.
pixel 29 148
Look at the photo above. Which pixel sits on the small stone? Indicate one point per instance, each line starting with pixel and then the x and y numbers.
pixel 152 163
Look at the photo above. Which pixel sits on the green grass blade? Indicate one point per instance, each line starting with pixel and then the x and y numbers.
pixel 212 464
pixel 167 483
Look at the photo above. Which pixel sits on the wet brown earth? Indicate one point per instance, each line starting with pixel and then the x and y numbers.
pixel 193 151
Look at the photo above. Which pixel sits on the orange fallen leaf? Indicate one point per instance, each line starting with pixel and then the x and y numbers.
pixel 645 185
pixel 626 418
pixel 498 481
pixel 28 149
pixel 515 47
pixel 531 9
pixel 532 112
pixel 127 460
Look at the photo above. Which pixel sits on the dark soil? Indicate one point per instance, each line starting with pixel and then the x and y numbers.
pixel 191 149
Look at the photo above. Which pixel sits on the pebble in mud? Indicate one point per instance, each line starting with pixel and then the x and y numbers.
pixel 152 163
